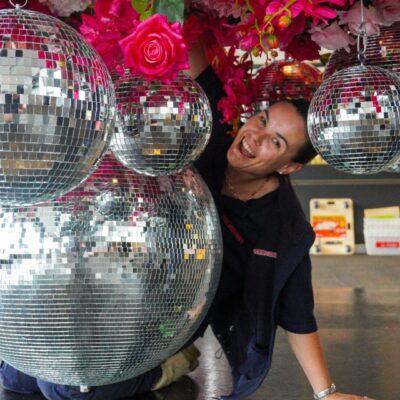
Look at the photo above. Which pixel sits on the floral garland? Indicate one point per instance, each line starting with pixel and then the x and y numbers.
pixel 147 38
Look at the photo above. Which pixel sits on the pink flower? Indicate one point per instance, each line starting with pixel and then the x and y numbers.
pixel 353 20
pixel 332 37
pixel 64 8
pixel 388 10
pixel 302 47
pixel 228 109
pixel 222 8
pixel 155 49
pixel 250 40
pixel 119 14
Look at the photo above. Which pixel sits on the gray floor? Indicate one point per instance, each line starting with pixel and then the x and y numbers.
pixel 358 309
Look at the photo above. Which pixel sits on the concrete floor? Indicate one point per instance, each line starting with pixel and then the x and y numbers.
pixel 358 310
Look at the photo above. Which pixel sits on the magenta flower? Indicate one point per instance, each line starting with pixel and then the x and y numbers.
pixel 155 49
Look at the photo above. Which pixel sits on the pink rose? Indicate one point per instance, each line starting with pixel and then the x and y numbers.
pixel 388 10
pixel 155 49
pixel 353 19
pixel 332 37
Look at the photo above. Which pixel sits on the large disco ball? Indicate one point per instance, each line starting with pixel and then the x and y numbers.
pixel 162 127
pixel 383 50
pixel 286 80
pixel 354 119
pixel 57 106
pixel 111 279
pixel 394 166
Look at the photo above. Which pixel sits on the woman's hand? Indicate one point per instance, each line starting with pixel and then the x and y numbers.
pixel 342 396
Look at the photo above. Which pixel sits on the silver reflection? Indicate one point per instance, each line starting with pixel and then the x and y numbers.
pixel 109 280
pixel 162 127
pixel 354 119
pixel 57 105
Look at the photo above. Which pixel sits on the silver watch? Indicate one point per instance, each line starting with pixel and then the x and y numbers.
pixel 326 392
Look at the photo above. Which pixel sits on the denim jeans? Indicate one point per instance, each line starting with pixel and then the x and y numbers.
pixel 16 381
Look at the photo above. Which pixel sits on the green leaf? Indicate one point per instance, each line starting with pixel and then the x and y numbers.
pixel 143 8
pixel 173 9
pixel 146 14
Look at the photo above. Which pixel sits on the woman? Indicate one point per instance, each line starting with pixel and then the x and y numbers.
pixel 266 277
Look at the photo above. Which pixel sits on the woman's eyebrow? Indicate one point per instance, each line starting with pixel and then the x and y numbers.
pixel 277 133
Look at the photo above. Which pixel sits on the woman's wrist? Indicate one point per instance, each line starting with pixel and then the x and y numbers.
pixel 325 392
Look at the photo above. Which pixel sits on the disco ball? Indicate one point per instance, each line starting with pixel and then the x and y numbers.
pixel 109 280
pixel 162 127
pixel 394 166
pixel 286 80
pixel 57 106
pixel 383 50
pixel 354 119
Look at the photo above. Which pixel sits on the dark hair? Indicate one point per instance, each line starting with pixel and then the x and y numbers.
pixel 306 152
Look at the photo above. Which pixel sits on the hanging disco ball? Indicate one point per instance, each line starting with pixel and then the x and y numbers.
pixel 383 50
pixel 57 105
pixel 394 166
pixel 162 127
pixel 286 80
pixel 109 280
pixel 354 119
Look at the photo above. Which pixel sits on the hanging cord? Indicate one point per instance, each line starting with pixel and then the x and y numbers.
pixel 362 39
pixel 18 6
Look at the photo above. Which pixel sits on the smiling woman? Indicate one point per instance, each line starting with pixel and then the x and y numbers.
pixel 266 274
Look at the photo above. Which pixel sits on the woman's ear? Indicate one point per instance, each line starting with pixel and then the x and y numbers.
pixel 289 168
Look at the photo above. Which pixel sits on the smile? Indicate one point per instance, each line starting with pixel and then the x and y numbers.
pixel 246 150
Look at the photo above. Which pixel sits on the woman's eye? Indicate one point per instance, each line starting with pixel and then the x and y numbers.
pixel 276 142
pixel 263 120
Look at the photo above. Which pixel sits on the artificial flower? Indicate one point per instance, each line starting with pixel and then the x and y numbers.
pixel 332 37
pixel 64 8
pixel 388 10
pixel 223 8
pixel 302 47
pixel 352 19
pixel 118 14
pixel 155 49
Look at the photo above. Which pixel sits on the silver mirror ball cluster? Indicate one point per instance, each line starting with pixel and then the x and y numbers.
pixel 104 271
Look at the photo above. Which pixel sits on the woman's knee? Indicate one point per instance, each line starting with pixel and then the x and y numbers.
pixel 54 391
pixel 16 381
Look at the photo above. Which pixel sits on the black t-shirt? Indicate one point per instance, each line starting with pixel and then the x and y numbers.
pixel 242 223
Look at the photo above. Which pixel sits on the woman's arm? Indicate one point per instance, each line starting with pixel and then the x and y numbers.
pixel 198 60
pixel 308 351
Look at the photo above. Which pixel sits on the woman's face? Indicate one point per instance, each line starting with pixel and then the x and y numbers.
pixel 268 141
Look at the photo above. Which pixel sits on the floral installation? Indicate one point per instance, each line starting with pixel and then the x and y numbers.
pixel 144 42
pixel 301 28
pixel 152 38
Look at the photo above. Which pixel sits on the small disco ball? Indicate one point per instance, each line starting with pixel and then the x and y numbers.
pixel 286 80
pixel 162 127
pixel 57 106
pixel 394 166
pixel 383 50
pixel 109 280
pixel 354 119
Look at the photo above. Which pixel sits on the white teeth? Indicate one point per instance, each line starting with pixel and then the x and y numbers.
pixel 247 148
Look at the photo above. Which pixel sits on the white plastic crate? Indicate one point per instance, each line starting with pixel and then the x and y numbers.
pixel 382 236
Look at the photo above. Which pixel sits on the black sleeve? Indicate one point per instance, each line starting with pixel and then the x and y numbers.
pixel 296 308
pixel 219 140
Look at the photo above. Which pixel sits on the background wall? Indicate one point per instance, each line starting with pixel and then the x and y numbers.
pixel 367 191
